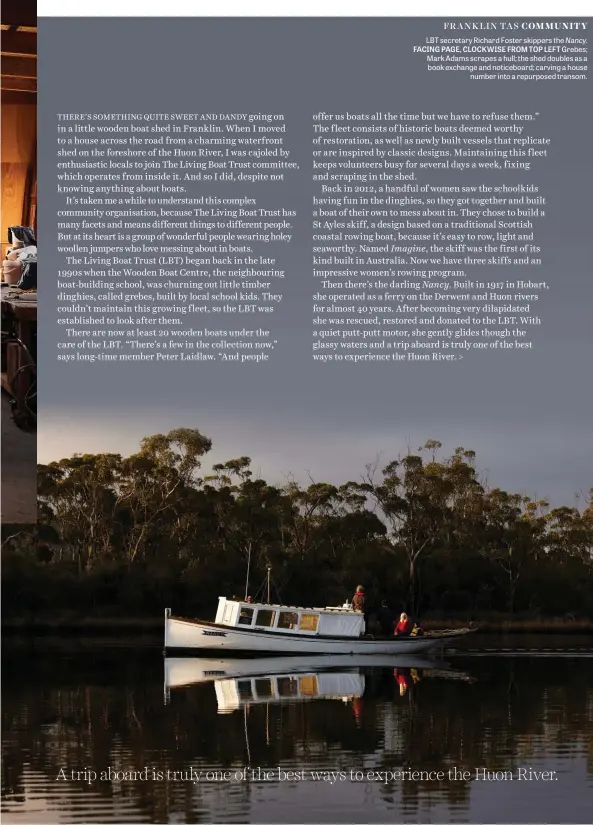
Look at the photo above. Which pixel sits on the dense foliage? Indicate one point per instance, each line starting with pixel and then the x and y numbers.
pixel 132 535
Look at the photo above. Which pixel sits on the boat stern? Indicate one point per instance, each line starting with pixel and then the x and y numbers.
pixel 167 620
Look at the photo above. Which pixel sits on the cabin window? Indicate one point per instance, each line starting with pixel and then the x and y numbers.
pixel 265 618
pixel 288 620
pixel 245 615
pixel 308 685
pixel 309 621
pixel 228 613
pixel 244 689
pixel 263 688
pixel 288 686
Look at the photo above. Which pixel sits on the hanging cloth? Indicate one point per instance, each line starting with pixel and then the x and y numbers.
pixel 24 234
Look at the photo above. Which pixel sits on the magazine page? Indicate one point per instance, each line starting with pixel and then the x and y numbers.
pixel 297 416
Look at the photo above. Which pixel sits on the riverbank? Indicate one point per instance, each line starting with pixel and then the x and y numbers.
pixel 76 625
pixel 511 625
pixel 19 481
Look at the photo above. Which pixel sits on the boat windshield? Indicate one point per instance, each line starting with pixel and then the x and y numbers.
pixel 244 688
pixel 246 615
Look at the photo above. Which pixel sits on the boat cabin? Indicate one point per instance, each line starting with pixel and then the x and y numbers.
pixel 232 694
pixel 280 619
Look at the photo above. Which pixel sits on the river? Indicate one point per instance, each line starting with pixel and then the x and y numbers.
pixel 108 731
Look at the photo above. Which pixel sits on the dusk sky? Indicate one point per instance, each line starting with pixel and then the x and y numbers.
pixel 526 414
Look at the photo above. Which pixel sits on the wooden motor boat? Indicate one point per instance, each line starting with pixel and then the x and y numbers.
pixel 247 628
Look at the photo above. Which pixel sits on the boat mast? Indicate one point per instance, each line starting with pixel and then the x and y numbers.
pixel 269 569
pixel 245 709
pixel 248 566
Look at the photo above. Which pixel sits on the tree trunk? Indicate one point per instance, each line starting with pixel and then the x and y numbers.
pixel 512 587
pixel 412 586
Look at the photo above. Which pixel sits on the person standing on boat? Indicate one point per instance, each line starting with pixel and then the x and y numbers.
pixel 358 599
pixel 403 627
pixel 385 618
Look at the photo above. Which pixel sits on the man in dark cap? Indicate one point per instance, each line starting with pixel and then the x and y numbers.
pixel 386 619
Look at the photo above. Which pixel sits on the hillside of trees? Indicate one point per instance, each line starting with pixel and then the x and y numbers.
pixel 129 536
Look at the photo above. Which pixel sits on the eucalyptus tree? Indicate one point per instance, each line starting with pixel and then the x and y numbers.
pixel 80 494
pixel 413 498
pixel 514 537
pixel 425 526
pixel 155 491
pixel 335 540
pixel 251 516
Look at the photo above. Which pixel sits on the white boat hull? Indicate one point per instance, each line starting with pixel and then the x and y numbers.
pixel 185 635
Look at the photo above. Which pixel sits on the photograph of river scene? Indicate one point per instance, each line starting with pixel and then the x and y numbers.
pixel 101 725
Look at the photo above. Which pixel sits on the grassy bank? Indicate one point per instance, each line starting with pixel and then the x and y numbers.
pixel 72 624
pixel 513 625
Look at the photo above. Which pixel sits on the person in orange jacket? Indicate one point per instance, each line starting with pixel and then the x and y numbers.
pixel 358 599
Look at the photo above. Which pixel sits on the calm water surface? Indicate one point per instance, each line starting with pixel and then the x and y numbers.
pixel 101 706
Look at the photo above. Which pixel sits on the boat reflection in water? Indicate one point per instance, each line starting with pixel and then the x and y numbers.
pixel 242 682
